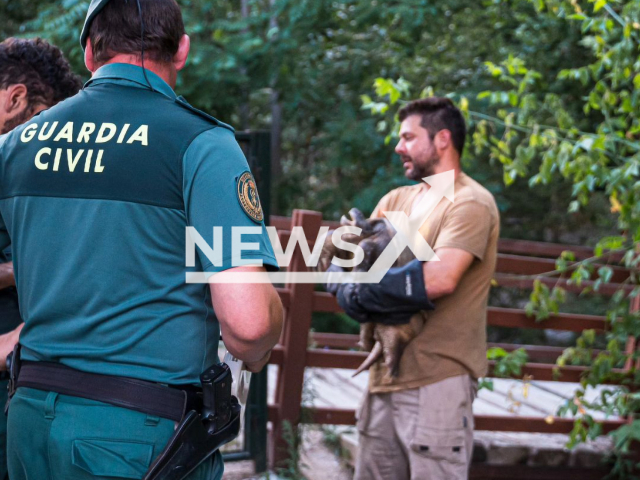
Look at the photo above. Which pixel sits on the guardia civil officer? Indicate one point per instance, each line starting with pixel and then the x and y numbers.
pixel 34 75
pixel 96 195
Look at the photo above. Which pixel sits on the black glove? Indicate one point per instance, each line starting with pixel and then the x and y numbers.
pixel 350 302
pixel 401 291
pixel 332 288
pixel 348 299
pixel 346 296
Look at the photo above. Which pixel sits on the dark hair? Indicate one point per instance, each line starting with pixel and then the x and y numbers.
pixel 40 67
pixel 437 114
pixel 116 29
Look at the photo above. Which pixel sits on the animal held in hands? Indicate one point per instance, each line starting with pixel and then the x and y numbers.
pixel 385 342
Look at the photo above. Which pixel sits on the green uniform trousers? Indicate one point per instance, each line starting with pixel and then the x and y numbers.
pixel 58 437
pixel 3 430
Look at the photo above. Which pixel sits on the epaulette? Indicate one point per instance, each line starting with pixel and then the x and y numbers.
pixel 184 104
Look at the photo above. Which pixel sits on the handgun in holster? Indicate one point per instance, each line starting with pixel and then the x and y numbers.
pixel 201 434
pixel 13 367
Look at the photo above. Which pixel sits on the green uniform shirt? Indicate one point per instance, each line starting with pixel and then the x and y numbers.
pixel 95 197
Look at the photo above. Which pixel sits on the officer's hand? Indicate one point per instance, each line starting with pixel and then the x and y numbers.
pixel 7 342
pixel 401 291
pixel 6 275
pixel 257 366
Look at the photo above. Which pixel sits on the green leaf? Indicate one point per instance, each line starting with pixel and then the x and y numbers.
pixel 574 207
pixel 496 352
pixel 605 274
pixel 366 99
pixel 609 243
pixel 464 104
pixel 485 383
pixel 599 5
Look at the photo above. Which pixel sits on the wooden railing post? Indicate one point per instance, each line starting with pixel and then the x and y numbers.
pixel 288 399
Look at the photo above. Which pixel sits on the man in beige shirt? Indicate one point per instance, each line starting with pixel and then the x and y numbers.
pixel 419 425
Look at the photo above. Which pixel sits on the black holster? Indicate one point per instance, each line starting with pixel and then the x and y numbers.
pixel 200 435
pixel 13 367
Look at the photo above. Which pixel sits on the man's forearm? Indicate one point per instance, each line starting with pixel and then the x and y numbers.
pixel 7 342
pixel 255 350
pixel 250 316
pixel 6 275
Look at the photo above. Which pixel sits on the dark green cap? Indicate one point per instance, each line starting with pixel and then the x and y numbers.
pixel 94 9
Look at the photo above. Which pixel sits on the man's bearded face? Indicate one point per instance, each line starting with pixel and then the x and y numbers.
pixel 8 124
pixel 416 149
pixel 10 119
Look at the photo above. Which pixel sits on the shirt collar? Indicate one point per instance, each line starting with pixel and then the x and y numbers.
pixel 132 75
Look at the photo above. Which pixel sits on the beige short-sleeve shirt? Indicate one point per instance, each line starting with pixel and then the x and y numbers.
pixel 453 340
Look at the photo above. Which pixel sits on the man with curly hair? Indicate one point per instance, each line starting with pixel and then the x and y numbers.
pixel 34 76
pixel 107 195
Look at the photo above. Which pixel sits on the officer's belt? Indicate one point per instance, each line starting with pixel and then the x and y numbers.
pixel 146 397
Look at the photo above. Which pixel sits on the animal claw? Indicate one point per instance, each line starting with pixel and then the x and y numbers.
pixel 373 357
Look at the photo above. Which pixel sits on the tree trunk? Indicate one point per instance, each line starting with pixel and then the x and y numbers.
pixel 276 113
pixel 244 107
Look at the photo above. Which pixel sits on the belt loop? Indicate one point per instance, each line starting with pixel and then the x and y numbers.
pixel 152 421
pixel 50 406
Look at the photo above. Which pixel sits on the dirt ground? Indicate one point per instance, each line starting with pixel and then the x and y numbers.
pixel 319 462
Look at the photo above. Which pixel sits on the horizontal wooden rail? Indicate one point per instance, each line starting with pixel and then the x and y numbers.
pixel 485 471
pixel 521 265
pixel 321 358
pixel 499 317
pixel 607 289
pixel 495 423
pixel 537 353
pixel 571 322
pixel 334 340
pixel 284 223
pixel 516 264
pixel 551 250
pixel 509 262
pixel 505 245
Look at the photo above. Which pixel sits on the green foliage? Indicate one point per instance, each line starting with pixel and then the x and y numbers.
pixel 485 383
pixel 544 301
pixel 292 469
pixel 540 134
pixel 332 438
pixel 315 59
pixel 507 364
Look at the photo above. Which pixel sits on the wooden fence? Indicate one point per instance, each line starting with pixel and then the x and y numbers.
pixel 518 263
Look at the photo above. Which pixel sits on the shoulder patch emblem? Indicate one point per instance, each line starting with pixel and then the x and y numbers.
pixel 248 197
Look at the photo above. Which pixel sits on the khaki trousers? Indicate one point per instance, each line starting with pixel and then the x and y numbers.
pixel 417 434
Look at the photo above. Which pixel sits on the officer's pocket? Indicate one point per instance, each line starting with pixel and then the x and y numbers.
pixel 444 453
pixel 112 458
